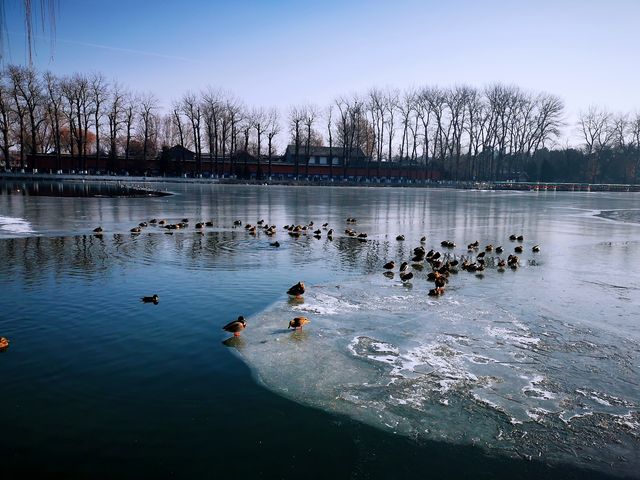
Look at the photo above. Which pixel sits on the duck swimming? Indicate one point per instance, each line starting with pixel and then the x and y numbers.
pixel 518 249
pixel 297 290
pixel 535 248
pixel 236 326
pixel 153 299
pixel 275 244
pixel 4 343
pixel 298 322
pixel 403 266
pixel 400 238
pixel 390 265
pixel 97 230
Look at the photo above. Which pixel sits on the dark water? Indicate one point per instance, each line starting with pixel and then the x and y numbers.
pixel 97 384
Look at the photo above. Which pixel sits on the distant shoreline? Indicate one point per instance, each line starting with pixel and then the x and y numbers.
pixel 450 184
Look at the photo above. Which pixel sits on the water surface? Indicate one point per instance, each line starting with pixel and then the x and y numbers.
pixel 521 373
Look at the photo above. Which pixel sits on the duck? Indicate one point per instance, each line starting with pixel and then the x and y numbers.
pixel 4 343
pixel 152 299
pixel 298 322
pixel 260 222
pixel 161 222
pixel 153 221
pixel 520 238
pixel 185 220
pixel 390 265
pixel 499 249
pixel 400 238
pixel 423 239
pixel 199 225
pixel 436 292
pixel 136 230
pixel 535 248
pixel 237 223
pixel 518 249
pixel 512 237
pixel 362 235
pixel 97 230
pixel 297 290
pixel 236 326
pixel 325 225
pixel 209 223
pixel 488 248
pixel 403 266
pixel 275 244
pixel 330 232
pixel 143 224
pixel 317 232
pixel 405 276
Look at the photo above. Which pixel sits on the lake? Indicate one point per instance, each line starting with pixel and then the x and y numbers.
pixel 516 373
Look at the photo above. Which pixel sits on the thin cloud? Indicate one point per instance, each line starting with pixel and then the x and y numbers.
pixel 115 49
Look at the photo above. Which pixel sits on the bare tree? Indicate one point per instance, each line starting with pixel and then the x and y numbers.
pixel 148 105
pixel 99 91
pixel 296 119
pixel 273 129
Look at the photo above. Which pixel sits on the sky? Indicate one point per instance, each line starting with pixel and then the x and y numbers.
pixel 285 52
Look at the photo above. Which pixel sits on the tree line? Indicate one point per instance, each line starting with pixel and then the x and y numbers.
pixel 498 132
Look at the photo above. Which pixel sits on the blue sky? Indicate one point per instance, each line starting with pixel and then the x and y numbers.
pixel 288 52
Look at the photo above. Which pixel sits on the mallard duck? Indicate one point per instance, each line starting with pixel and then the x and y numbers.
pixel 97 230
pixel 298 322
pixel 310 224
pixel 499 249
pixel 136 230
pixel 4 343
pixel 423 239
pixel 418 250
pixel 389 274
pixel 153 299
pixel 237 223
pixel 520 238
pixel 488 248
pixel 330 232
pixel 153 220
pixel 403 266
pixel 518 249
pixel 400 238
pixel 317 236
pixel 297 290
pixel 390 265
pixel 512 237
pixel 317 232
pixel 535 248
pixel 481 255
pixel 260 222
pixel 405 276
pixel 440 282
pixel 236 326
pixel 275 244
pixel 199 225
pixel 502 263
pixel 143 224
pixel 161 222
pixel 185 220
pixel 436 292
pixel 362 235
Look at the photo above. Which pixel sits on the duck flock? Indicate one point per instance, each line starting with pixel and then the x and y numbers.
pixel 440 265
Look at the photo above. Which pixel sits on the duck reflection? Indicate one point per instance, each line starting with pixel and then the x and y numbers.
pixel 235 342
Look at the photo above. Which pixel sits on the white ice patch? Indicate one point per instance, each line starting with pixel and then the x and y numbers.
pixel 15 225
